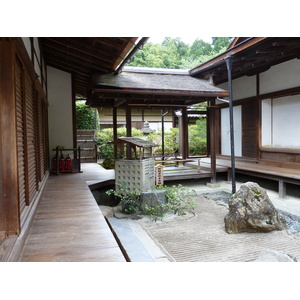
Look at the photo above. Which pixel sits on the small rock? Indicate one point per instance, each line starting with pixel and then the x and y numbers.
pixel 275 256
pixel 251 210
pixel 121 215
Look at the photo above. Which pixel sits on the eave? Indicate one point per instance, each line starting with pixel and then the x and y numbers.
pixel 251 56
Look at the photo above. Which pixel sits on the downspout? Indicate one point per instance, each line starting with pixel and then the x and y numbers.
pixel 163 113
pixel 136 48
pixel 229 68
pixel 162 135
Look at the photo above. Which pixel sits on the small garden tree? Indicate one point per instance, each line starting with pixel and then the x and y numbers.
pixel 171 141
pixel 197 137
pixel 107 150
pixel 85 116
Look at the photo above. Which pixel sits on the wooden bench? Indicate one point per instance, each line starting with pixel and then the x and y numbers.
pixel 177 162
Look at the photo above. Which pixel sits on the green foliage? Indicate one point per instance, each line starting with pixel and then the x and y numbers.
pixel 180 199
pixel 221 43
pixel 197 138
pixel 170 141
pixel 130 200
pixel 85 116
pixel 156 213
pixel 106 150
pixel 173 53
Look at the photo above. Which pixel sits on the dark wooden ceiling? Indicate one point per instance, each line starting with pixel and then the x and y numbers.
pixel 83 56
pixel 250 56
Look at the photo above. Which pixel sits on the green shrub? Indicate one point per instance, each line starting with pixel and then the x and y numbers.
pixel 180 198
pixel 85 116
pixel 156 213
pixel 130 200
pixel 106 150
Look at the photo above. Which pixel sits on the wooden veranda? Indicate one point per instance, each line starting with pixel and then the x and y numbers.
pixel 281 172
pixel 69 226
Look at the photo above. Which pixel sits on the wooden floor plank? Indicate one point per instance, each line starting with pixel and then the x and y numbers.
pixel 69 225
pixel 269 168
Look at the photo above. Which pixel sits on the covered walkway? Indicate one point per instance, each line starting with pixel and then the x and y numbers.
pixel 69 226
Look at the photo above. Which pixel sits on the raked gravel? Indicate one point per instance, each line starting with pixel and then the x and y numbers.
pixel 201 237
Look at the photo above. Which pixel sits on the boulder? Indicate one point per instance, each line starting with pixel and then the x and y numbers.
pixel 153 199
pixel 275 256
pixel 251 210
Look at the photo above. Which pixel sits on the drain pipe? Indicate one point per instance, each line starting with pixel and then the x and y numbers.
pixel 229 68
pixel 163 113
pixel 136 48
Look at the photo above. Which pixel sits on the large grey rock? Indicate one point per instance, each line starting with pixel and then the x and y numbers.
pixel 251 210
pixel 152 199
pixel 275 256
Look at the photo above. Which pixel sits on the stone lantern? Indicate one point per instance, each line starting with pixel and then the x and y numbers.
pixel 146 131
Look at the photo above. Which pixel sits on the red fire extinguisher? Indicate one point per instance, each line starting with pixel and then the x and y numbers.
pixel 62 163
pixel 54 167
pixel 68 164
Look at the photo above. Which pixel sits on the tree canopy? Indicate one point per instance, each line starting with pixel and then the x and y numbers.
pixel 85 116
pixel 173 53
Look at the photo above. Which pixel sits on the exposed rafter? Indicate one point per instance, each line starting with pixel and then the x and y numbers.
pixel 86 55
pixel 250 56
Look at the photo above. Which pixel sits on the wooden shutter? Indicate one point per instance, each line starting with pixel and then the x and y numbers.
pixel 40 138
pixel 30 143
pixel 19 81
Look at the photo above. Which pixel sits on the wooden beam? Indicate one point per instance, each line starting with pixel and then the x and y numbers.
pixel 128 131
pixel 115 136
pixel 183 134
pixel 73 46
pixel 163 92
pixel 8 137
pixel 212 139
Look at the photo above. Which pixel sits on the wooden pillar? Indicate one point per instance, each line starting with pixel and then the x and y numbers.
pixel 115 123
pixel 128 130
pixel 9 206
pixel 180 133
pixel 185 134
pixel 212 140
pixel 74 115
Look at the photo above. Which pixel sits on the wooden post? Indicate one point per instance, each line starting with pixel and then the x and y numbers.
pixel 115 123
pixel 281 188
pixel 183 133
pixel 212 139
pixel 128 130
pixel 9 206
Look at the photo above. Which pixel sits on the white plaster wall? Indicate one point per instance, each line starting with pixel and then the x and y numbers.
pixel 286 122
pixel 281 122
pixel 60 109
pixel 243 87
pixel 27 44
pixel 266 122
pixel 280 77
pixel 225 131
pixel 37 57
